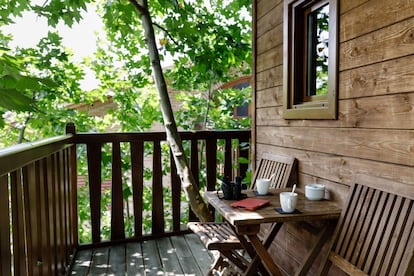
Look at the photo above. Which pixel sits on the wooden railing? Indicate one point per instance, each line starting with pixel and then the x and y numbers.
pixel 37 215
pixel 39 191
pixel 203 145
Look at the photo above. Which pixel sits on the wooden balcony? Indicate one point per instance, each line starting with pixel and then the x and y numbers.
pixel 39 210
pixel 175 255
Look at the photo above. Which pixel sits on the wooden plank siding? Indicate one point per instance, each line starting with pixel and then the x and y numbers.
pixel 374 132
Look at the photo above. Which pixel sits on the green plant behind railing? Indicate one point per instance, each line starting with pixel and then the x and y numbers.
pixel 83 191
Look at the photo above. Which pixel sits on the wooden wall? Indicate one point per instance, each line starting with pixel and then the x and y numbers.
pixel 374 132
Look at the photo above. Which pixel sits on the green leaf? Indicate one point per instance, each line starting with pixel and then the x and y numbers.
pixel 12 99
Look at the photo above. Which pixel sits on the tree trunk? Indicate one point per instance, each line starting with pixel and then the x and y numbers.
pixel 197 204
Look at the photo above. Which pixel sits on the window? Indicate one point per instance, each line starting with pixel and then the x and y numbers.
pixel 310 70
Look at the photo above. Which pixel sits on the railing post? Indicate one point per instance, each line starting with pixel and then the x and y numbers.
pixel 211 157
pixel 244 153
pixel 71 129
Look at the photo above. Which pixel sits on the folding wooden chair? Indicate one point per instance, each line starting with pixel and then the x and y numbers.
pixel 220 236
pixel 375 233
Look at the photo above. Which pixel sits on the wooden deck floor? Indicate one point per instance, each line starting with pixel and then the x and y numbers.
pixel 177 255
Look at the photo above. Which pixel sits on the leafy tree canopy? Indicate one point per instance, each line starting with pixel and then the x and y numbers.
pixel 207 41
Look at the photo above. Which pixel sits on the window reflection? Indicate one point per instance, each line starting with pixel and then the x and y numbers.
pixel 317 63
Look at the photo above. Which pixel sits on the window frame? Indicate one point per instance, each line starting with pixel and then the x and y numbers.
pixel 295 103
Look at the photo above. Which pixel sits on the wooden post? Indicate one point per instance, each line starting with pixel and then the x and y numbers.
pixel 71 129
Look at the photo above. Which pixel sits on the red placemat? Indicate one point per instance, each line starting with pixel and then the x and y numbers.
pixel 250 203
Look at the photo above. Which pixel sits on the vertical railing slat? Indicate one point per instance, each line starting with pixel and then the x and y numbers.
pixel 244 153
pixel 44 219
pixel 176 195
pixel 67 218
pixel 18 227
pixel 30 184
pixel 72 163
pixel 228 170
pixel 95 179
pixel 70 243
pixel 61 242
pixel 194 164
pixel 157 191
pixel 117 210
pixel 137 172
pixel 5 253
pixel 51 188
pixel 211 157
pixel 63 202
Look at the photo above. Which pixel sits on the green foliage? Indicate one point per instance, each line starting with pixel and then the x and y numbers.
pixel 15 84
pixel 12 8
pixel 208 42
pixel 213 110
pixel 214 56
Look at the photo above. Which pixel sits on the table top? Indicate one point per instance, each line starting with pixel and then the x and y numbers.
pixel 309 210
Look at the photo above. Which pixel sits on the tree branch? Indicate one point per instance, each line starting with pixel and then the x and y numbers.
pixel 174 140
pixel 141 8
pixel 165 31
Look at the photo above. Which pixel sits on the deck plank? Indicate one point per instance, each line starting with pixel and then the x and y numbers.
pixel 169 257
pixel 152 261
pixel 117 260
pixel 135 259
pixel 99 265
pixel 200 253
pixel 82 263
pixel 189 264
pixel 177 255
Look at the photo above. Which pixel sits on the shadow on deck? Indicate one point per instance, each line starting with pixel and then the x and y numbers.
pixel 176 255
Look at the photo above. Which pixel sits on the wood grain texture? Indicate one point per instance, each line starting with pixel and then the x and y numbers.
pixel 348 5
pixel 270 97
pixel 382 112
pixel 5 252
pixel 270 40
pixel 394 41
pixel 117 204
pixel 391 146
pixel 157 190
pixel 269 59
pixel 220 236
pixel 270 78
pixel 372 15
pixel 375 92
pixel 375 226
pixel 390 77
pixel 272 18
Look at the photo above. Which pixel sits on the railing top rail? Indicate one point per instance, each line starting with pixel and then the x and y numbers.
pixel 19 155
pixel 150 136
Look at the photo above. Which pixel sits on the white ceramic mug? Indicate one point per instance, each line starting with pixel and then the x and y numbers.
pixel 315 191
pixel 288 201
pixel 262 186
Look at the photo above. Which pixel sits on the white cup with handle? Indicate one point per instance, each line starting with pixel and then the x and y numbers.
pixel 262 186
pixel 288 201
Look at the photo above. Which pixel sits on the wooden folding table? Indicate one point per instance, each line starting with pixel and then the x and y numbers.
pixel 246 224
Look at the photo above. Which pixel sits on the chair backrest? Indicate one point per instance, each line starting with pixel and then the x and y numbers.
pixel 284 167
pixel 375 233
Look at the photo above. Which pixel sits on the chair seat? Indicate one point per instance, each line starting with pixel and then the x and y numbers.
pixel 216 236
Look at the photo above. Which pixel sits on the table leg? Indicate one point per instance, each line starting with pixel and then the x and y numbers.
pixel 264 256
pixel 315 250
pixel 267 241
